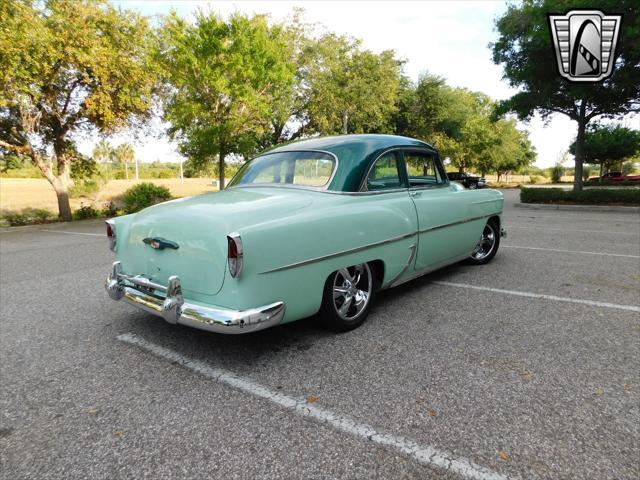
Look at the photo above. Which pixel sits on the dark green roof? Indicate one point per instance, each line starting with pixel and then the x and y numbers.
pixel 354 152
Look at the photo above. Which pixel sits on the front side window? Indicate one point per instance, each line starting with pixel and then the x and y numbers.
pixel 384 175
pixel 422 169
pixel 311 169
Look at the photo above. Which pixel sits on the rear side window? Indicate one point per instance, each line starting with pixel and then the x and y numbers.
pixel 422 169
pixel 384 175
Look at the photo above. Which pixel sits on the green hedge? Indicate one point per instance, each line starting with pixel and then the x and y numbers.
pixel 144 195
pixel 600 196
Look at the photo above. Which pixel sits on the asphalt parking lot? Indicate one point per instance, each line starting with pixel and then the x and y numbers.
pixel 526 368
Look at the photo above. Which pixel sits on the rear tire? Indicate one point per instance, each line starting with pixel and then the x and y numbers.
pixel 348 296
pixel 487 246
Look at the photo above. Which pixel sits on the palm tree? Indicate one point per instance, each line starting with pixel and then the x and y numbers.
pixel 125 153
pixel 102 151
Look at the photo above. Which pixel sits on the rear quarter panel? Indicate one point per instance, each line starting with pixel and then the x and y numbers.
pixel 333 224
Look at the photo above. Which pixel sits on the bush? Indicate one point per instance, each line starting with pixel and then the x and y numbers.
pixel 625 183
pixel 110 210
pixel 144 195
pixel 556 173
pixel 84 188
pixel 27 216
pixel 534 179
pixel 587 197
pixel 85 212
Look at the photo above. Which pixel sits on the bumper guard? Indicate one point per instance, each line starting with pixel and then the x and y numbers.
pixel 170 305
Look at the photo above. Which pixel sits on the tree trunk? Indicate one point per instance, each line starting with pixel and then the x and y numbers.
pixel 126 170
pixel 345 122
pixel 62 181
pixel 136 169
pixel 601 172
pixel 62 192
pixel 221 156
pixel 579 156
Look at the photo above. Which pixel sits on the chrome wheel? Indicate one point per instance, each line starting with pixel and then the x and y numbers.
pixel 487 243
pixel 352 288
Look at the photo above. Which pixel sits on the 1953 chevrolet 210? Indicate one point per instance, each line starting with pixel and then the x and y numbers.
pixel 316 226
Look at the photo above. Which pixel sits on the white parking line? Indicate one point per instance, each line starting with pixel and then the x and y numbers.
pixel 74 233
pixel 632 308
pixel 424 454
pixel 536 227
pixel 570 251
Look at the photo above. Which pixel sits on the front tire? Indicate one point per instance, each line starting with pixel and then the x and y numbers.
pixel 473 186
pixel 348 296
pixel 487 246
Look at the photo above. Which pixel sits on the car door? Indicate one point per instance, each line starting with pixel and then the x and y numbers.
pixel 443 211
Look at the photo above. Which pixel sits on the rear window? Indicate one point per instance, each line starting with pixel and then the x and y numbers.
pixel 311 169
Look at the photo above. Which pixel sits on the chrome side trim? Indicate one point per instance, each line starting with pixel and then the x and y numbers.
pixel 487 201
pixel 438 227
pixel 339 254
pixel 175 310
pixel 431 268
pixel 412 255
pixel 375 244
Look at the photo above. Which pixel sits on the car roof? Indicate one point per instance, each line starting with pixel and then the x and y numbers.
pixel 354 153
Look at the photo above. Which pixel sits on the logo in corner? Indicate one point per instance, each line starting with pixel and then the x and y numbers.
pixel 585 44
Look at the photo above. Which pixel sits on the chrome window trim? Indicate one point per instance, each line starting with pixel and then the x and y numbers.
pixel 363 182
pixel 278 185
pixel 443 173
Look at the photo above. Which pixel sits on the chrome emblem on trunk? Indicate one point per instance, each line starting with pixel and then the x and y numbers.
pixel 160 243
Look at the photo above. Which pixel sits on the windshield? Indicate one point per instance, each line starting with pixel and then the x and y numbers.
pixel 312 169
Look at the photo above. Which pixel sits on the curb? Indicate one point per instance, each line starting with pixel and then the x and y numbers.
pixel 52 225
pixel 578 208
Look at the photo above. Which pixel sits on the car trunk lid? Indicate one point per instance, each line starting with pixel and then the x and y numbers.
pixel 188 237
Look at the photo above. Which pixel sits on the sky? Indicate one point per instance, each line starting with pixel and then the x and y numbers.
pixel 446 38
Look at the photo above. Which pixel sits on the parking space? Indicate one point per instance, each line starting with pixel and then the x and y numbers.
pixel 524 368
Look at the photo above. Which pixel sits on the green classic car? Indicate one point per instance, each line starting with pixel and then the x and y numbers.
pixel 315 226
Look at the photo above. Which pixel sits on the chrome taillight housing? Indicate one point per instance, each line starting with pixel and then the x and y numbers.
pixel 111 234
pixel 235 254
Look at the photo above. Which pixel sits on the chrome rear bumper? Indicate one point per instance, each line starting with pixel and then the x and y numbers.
pixel 167 302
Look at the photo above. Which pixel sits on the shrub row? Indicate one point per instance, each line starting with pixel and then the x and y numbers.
pixel 588 197
pixel 136 198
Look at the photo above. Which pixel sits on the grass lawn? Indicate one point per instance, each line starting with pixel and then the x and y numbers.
pixel 19 193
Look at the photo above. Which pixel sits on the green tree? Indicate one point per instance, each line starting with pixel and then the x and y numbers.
pixel 124 153
pixel 608 144
pixel 222 78
pixel 524 49
pixel 68 66
pixel 347 89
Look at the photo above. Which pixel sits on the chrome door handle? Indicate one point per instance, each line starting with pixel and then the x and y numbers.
pixel 415 193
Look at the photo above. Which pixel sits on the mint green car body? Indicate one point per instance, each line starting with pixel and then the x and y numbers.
pixel 295 237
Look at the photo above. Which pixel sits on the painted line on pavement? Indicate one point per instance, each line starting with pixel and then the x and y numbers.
pixel 536 227
pixel 570 251
pixel 74 233
pixel 632 308
pixel 578 217
pixel 424 454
